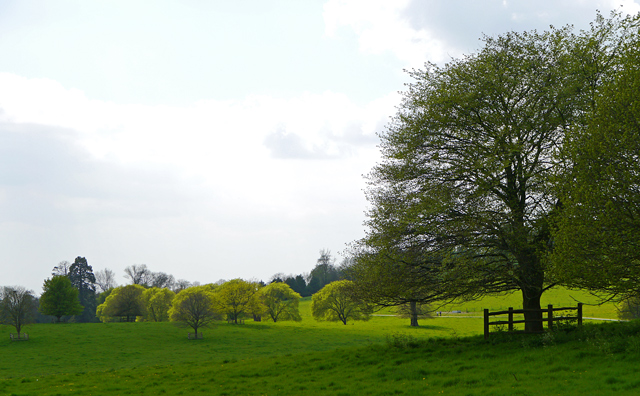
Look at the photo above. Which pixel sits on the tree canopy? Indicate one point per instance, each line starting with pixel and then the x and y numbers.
pixel 337 301
pixel 59 298
pixel 405 280
pixel 597 238
pixel 157 303
pixel 194 307
pixel 280 301
pixel 237 298
pixel 124 302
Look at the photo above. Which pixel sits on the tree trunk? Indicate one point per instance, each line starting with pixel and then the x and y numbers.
pixel 531 300
pixel 531 285
pixel 413 306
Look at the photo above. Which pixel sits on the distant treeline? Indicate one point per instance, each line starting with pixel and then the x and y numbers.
pixel 322 274
pixel 94 288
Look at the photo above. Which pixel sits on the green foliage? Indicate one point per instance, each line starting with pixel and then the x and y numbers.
pixel 280 301
pixel 337 301
pixel 238 298
pixel 596 240
pixel 630 308
pixel 195 307
pixel 157 303
pixel 59 298
pixel 406 280
pixel 123 302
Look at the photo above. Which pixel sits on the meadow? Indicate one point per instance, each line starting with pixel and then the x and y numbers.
pixel 384 356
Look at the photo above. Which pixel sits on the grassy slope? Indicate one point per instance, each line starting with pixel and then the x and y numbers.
pixel 310 358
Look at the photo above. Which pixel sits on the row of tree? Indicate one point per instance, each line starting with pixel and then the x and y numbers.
pixel 232 300
pixel 75 292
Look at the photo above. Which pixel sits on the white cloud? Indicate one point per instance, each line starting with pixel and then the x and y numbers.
pixel 142 178
pixel 381 27
pixel 416 31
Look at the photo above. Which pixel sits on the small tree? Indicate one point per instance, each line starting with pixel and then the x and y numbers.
pixel 337 302
pixel 414 311
pixel 237 298
pixel 280 302
pixel 630 308
pixel 157 303
pixel 17 307
pixel 59 298
pixel 194 307
pixel 408 279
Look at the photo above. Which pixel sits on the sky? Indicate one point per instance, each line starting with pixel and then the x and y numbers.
pixel 213 139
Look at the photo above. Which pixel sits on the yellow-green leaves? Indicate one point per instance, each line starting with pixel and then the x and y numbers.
pixel 238 298
pixel 338 302
pixel 157 303
pixel 194 307
pixel 280 302
pixel 124 302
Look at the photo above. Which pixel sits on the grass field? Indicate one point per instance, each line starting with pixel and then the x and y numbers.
pixel 384 356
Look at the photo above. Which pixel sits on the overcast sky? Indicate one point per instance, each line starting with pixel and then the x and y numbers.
pixel 212 139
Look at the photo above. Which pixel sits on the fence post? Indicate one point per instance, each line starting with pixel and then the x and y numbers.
pixel 579 314
pixel 486 323
pixel 550 316
pixel 510 319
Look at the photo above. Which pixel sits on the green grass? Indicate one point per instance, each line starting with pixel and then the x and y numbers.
pixel 384 356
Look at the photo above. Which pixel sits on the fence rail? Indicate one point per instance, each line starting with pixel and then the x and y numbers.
pixel 549 319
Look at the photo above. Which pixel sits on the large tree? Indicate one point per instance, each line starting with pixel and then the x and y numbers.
pixel 469 159
pixel 597 239
pixel 17 307
pixel 82 278
pixel 59 298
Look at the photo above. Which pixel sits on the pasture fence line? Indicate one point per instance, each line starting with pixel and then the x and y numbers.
pixel 550 319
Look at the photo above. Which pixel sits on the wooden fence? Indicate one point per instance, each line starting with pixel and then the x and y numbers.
pixel 19 337
pixel 549 319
